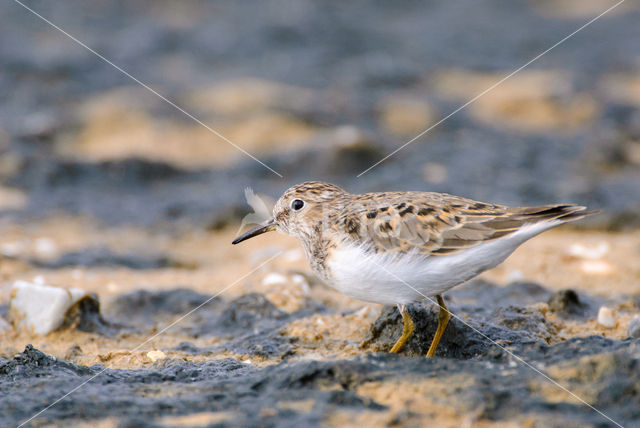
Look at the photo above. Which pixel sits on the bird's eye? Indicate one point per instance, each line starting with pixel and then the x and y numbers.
pixel 297 204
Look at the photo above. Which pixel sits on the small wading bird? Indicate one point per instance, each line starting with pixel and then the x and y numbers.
pixel 402 247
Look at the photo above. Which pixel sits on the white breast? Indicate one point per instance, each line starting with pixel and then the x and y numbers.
pixel 405 278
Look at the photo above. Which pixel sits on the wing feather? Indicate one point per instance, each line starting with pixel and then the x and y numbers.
pixel 438 224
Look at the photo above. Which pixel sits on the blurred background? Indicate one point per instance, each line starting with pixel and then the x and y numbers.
pixel 315 91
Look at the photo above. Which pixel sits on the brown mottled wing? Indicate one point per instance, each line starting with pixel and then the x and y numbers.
pixel 438 224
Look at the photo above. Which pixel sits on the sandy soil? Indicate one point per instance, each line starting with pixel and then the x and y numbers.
pixel 593 262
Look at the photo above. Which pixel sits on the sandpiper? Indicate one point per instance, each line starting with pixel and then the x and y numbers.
pixel 402 247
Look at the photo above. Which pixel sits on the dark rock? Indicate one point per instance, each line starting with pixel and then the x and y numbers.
pixel 498 389
pixel 633 329
pixel 524 320
pixel 458 341
pixel 131 191
pixel 622 389
pixel 264 344
pixel 249 312
pixel 354 157
pixel 85 315
pixel 350 399
pixel 318 375
pixel 145 307
pixel 253 326
pixel 190 348
pixel 104 257
pixel 487 296
pixel 566 303
pixel 34 363
pixel 246 315
pixel 131 172
pixel 510 326
pixel 250 324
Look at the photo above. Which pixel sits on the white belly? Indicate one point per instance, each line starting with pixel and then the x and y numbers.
pixel 402 279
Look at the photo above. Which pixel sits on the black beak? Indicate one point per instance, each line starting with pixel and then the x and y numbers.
pixel 258 230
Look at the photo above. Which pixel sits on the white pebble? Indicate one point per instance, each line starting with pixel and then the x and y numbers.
pixel 363 312
pixel 156 355
pixel 347 136
pixel 12 249
pixel 606 317
pixel 301 281
pixel 589 252
pixel 514 275
pixel 274 278
pixel 46 247
pixel 292 255
pixel 633 329
pixel 113 287
pixel 596 267
pixel 41 308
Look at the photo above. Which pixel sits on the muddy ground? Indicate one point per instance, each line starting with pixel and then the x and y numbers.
pixel 107 188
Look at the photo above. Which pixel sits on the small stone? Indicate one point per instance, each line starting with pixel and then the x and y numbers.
pixel 41 308
pixel 633 329
pixel 287 292
pixel 514 275
pixel 12 249
pixel 292 255
pixel 350 148
pixel 348 136
pixel 596 267
pixel 156 355
pixel 46 247
pixel 274 278
pixel 594 252
pixel 566 302
pixel 606 317
pixel 301 281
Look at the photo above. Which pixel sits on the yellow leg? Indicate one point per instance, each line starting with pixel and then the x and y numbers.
pixel 443 320
pixel 407 329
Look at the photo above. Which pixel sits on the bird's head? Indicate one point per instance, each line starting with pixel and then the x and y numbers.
pixel 300 211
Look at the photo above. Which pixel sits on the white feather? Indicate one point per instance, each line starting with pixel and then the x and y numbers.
pixel 405 278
